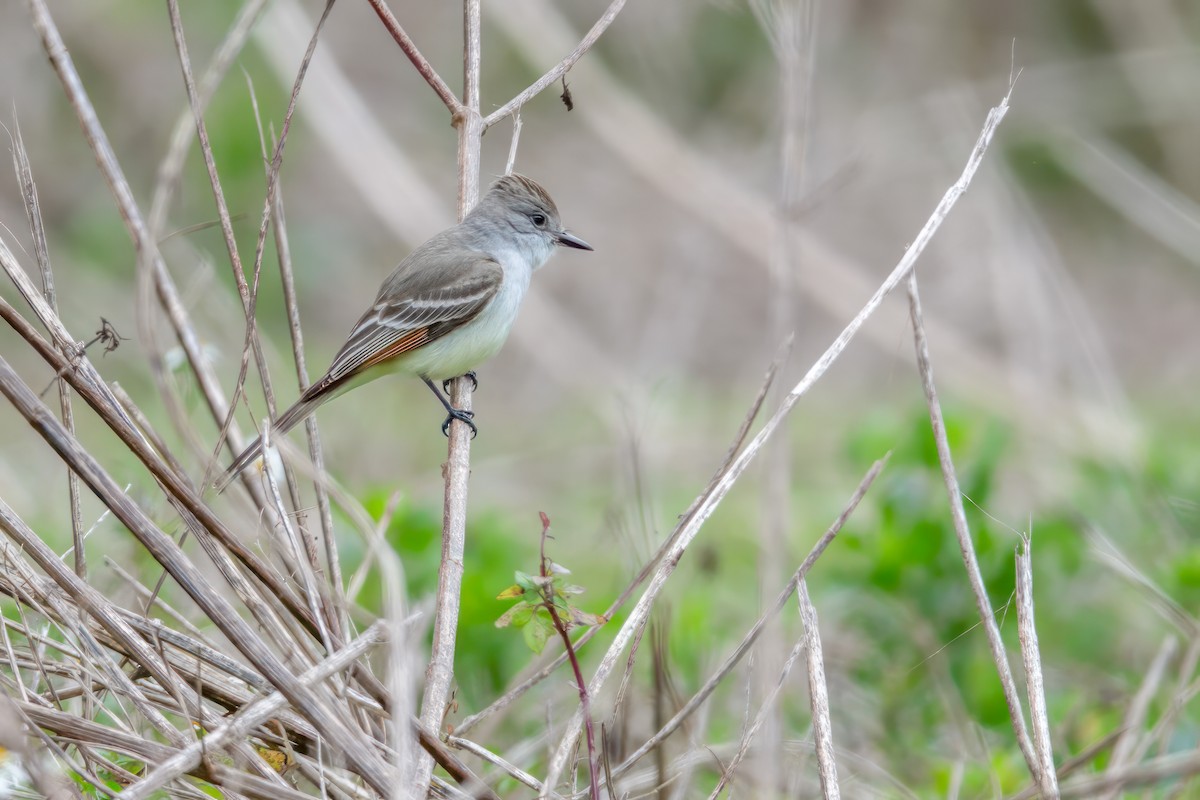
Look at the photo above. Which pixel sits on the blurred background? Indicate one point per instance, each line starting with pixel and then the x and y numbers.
pixel 745 171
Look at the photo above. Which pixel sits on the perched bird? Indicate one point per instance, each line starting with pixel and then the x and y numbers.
pixel 447 307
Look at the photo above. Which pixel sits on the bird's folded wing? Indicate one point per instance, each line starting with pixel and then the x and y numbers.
pixel 405 318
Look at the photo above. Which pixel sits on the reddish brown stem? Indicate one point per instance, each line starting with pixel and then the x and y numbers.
pixel 548 600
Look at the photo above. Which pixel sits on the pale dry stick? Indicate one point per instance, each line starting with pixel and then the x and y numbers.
pixel 309 703
pixel 1133 723
pixel 697 700
pixel 248 298
pixel 821 723
pixel 315 452
pixel 622 693
pixel 512 147
pixel 1035 687
pixel 760 718
pixel 712 498
pixel 439 675
pixel 41 252
pixel 10 653
pixel 242 723
pixel 291 540
pixel 963 533
pixel 513 771
pixel 310 548
pixel 735 446
pixel 338 112
pixel 560 69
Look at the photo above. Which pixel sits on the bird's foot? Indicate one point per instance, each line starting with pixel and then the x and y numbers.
pixel 471 375
pixel 462 416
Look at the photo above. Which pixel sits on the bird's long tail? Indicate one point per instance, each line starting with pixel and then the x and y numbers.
pixel 290 418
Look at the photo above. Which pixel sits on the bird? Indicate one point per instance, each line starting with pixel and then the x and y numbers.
pixel 446 308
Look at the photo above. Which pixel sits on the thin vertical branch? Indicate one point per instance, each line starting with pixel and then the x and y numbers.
pixel 315 452
pixel 1035 687
pixel 439 675
pixel 819 694
pixel 41 252
pixel 963 533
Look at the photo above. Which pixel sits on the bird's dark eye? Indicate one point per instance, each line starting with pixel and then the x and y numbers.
pixel 538 219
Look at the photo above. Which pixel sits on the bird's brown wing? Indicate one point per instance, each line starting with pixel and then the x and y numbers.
pixel 405 317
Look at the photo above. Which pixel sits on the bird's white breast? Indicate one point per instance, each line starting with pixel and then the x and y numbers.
pixel 475 342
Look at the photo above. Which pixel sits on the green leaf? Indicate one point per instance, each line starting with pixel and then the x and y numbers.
pixel 516 616
pixel 536 634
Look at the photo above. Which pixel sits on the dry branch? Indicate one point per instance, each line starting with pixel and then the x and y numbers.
pixel 963 533
pixel 1035 686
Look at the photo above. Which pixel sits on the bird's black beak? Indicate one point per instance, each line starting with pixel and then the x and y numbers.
pixel 567 239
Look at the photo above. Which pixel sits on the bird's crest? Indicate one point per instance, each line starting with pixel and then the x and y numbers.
pixel 521 188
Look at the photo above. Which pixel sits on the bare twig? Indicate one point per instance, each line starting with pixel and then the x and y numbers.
pixel 33 214
pixel 560 69
pixel 963 533
pixel 822 725
pixel 509 769
pixel 1035 687
pixel 512 147
pixel 310 425
pixel 424 68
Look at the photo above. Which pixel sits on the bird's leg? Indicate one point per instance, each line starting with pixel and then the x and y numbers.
pixel 452 413
pixel 471 375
